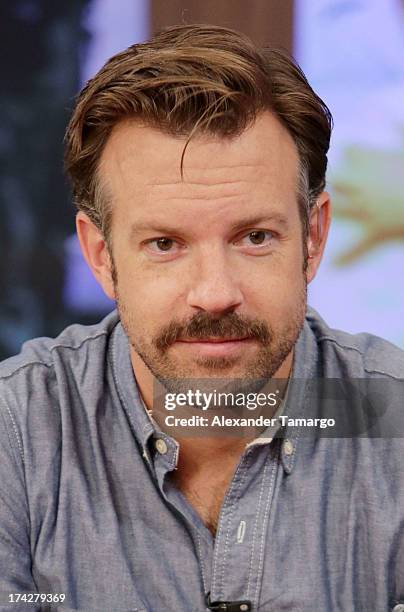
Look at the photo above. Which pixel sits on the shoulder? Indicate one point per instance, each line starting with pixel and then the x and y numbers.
pixel 49 376
pixel 357 355
pixel 42 354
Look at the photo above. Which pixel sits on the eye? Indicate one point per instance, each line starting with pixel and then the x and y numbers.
pixel 257 238
pixel 163 248
pixel 162 245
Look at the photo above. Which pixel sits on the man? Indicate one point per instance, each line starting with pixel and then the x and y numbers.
pixel 198 168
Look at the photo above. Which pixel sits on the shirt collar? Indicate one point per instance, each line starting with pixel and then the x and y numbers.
pixel 304 368
pixel 127 388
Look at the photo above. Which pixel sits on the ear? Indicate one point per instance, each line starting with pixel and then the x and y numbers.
pixel 95 252
pixel 319 224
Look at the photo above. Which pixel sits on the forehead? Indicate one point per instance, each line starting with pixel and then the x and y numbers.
pixel 141 165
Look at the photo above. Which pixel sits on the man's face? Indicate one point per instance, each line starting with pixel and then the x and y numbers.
pixel 209 269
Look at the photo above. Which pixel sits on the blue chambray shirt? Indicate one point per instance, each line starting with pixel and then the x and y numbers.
pixel 87 510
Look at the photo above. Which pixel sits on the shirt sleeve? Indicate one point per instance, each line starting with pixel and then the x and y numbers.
pixel 15 550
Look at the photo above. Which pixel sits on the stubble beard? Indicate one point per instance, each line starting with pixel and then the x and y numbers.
pixel 273 348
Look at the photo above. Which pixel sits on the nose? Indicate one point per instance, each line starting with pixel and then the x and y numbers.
pixel 214 287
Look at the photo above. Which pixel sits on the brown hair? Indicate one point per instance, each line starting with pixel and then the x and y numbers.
pixel 188 79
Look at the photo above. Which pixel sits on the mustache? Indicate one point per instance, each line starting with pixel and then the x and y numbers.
pixel 202 325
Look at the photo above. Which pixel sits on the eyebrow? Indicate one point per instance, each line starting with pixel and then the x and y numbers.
pixel 251 221
pixel 257 219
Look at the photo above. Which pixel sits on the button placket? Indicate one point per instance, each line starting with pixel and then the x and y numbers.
pixel 239 560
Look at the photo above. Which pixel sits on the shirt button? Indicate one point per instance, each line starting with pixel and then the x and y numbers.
pixel 399 608
pixel 161 446
pixel 288 447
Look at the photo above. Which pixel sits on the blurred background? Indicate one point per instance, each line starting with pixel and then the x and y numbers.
pixel 352 52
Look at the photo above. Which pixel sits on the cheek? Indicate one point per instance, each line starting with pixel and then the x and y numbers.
pixel 151 297
pixel 276 286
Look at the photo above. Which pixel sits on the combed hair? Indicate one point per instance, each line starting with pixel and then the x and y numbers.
pixel 193 79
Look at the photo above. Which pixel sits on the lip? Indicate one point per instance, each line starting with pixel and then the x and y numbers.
pixel 215 347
